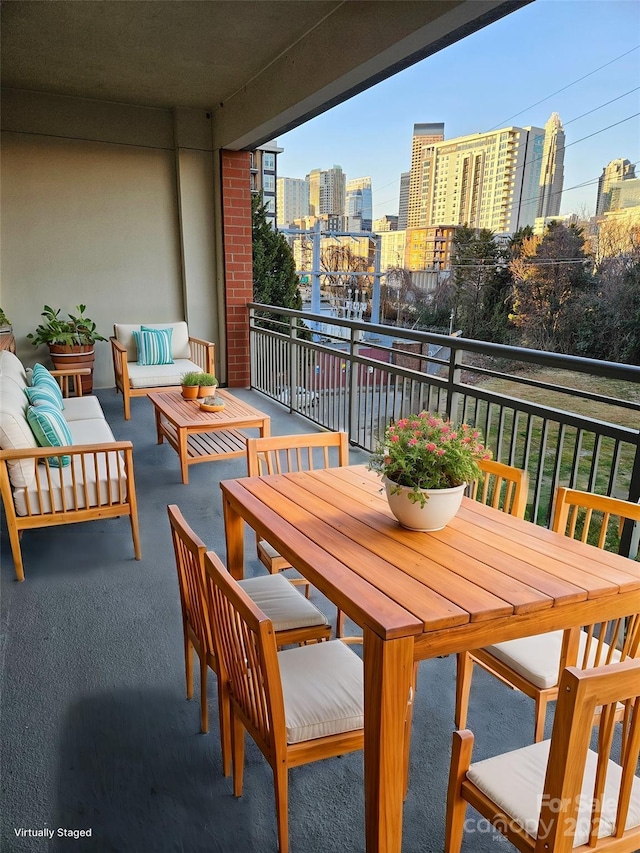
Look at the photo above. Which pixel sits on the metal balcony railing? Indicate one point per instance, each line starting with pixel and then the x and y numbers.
pixel 357 377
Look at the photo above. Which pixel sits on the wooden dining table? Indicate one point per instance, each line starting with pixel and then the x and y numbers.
pixel 485 578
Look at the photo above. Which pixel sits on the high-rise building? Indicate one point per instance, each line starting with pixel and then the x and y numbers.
pixel 485 180
pixel 625 194
pixel 359 204
pixel 403 201
pixel 263 176
pixel 615 171
pixel 385 223
pixel 327 191
pixel 424 137
pixel 429 248
pixel 292 200
pixel 552 168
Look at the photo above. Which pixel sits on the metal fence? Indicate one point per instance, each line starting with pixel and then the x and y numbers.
pixel 551 414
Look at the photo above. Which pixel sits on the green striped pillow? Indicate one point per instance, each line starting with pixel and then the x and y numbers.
pixel 154 346
pixel 43 394
pixel 50 430
pixel 41 378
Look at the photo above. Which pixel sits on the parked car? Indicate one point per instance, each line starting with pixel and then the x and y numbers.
pixel 303 398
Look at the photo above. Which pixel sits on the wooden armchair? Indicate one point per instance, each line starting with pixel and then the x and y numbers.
pixel 559 796
pixel 135 380
pixel 533 664
pixel 299 705
pixel 295 619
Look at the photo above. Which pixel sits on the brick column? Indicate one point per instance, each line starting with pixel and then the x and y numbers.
pixel 238 269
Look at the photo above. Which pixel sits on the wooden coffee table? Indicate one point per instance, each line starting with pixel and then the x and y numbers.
pixel 199 436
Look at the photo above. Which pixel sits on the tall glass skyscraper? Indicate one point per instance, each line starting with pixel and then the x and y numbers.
pixel 359 204
pixel 552 168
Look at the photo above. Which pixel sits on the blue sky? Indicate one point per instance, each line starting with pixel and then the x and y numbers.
pixel 482 82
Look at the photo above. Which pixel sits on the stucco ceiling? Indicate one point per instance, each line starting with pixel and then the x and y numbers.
pixel 271 63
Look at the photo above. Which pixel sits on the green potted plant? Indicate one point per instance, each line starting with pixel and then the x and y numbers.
pixel 5 323
pixel 426 463
pixel 190 383
pixel 70 340
pixel 208 385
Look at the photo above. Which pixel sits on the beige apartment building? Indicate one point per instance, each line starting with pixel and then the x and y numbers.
pixel 485 180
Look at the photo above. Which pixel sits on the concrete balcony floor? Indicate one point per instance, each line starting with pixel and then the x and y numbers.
pixel 97 733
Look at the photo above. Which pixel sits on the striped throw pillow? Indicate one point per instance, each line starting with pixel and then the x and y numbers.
pixel 43 394
pixel 50 430
pixel 41 378
pixel 154 346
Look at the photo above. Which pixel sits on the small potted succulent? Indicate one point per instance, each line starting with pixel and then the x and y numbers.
pixel 427 462
pixel 208 385
pixel 190 383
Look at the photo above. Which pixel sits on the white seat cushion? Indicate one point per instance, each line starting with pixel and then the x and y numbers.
pixel 282 603
pixel 82 409
pixel 538 658
pixel 269 550
pixel 323 690
pixel 515 782
pixel 158 375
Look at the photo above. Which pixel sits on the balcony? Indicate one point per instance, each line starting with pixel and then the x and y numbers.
pixel 97 733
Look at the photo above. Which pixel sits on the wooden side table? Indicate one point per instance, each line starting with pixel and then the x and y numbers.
pixel 8 342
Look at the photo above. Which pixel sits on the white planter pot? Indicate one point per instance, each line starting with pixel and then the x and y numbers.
pixel 440 508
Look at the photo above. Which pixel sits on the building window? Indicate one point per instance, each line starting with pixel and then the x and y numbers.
pixel 268 161
pixel 270 205
pixel 269 182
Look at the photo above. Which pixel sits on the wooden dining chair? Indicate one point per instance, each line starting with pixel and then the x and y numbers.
pixel 299 705
pixel 533 664
pixel 295 619
pixel 559 796
pixel 502 486
pixel 284 453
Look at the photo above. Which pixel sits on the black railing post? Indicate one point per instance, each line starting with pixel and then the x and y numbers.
pixel 630 539
pixel 454 375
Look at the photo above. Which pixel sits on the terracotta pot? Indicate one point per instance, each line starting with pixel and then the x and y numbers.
pixel 190 392
pixel 440 508
pixel 207 391
pixel 69 357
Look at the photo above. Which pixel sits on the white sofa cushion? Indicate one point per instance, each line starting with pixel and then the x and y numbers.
pixel 281 602
pixel 11 366
pixel 179 338
pixel 15 432
pixel 515 782
pixel 159 375
pixel 82 409
pixel 538 658
pixel 323 689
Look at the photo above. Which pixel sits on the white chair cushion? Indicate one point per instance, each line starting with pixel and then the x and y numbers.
pixel 269 550
pixel 515 782
pixel 282 603
pixel 15 432
pixel 179 338
pixel 323 690
pixel 158 375
pixel 538 658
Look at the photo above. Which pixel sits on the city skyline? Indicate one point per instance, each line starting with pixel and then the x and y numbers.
pixel 588 97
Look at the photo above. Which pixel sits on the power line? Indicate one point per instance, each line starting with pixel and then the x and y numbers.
pixel 557 92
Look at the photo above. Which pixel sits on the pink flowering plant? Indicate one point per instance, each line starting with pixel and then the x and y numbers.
pixel 427 452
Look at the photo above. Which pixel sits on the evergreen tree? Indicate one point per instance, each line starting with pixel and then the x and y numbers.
pixel 274 271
